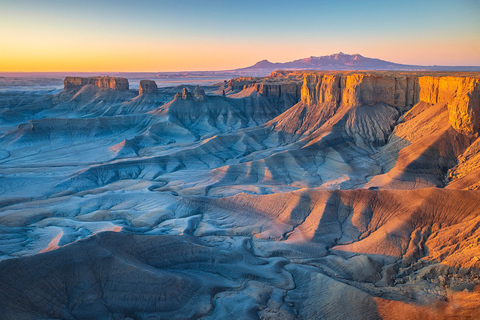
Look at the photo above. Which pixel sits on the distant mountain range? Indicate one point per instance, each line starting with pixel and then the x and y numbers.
pixel 342 61
pixel 337 61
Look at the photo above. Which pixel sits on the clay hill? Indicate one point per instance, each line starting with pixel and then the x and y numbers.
pixel 299 195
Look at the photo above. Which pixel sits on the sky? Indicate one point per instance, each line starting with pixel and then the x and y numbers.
pixel 192 35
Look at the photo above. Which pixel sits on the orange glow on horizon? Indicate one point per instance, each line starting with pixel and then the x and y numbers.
pixel 64 53
pixel 151 36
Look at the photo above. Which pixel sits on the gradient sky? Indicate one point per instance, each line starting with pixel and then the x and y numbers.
pixel 117 35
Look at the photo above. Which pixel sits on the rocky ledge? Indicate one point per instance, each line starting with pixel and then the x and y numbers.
pixel 106 82
pixel 460 93
pixel 275 85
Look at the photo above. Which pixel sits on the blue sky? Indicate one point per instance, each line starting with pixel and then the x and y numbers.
pixel 226 34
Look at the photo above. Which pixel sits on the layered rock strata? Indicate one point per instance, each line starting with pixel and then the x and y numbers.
pixel 461 94
pixel 115 83
pixel 276 85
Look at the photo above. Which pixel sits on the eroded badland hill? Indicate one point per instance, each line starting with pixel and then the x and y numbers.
pixel 301 195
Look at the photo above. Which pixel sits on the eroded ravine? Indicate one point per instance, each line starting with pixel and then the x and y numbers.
pixel 298 195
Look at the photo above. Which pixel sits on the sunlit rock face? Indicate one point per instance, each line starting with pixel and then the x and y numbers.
pixel 186 95
pixel 460 94
pixel 276 85
pixel 147 87
pixel 300 195
pixel 355 89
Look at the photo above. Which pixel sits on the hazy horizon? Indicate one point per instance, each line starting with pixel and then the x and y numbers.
pixel 230 70
pixel 161 36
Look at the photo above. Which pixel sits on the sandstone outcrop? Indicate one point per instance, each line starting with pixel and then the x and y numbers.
pixel 241 83
pixel 276 85
pixel 460 93
pixel 360 89
pixel 115 83
pixel 197 94
pixel 321 89
pixel 186 95
pixel 147 87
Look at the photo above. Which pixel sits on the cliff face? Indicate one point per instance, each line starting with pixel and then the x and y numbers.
pixel 243 82
pixel 147 86
pixel 359 89
pixel 461 94
pixel 273 86
pixel 115 83
pixel 319 88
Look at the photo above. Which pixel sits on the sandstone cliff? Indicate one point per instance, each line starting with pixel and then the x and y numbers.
pixel 460 93
pixel 360 89
pixel 147 86
pixel 115 83
pixel 276 85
